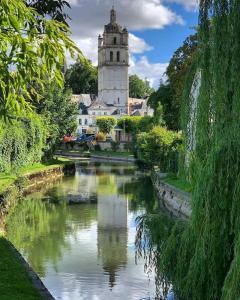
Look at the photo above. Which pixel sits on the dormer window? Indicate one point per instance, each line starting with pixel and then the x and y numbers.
pixel 115 41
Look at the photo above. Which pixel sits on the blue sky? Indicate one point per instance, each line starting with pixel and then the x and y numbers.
pixel 165 41
pixel 157 28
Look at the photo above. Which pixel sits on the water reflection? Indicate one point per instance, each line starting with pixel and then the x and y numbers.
pixel 79 235
pixel 112 228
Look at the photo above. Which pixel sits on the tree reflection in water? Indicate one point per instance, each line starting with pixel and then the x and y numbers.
pixel 33 220
pixel 154 234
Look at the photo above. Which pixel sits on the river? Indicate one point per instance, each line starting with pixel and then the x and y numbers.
pixel 78 234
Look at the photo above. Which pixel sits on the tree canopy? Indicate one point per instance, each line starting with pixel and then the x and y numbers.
pixel 159 147
pixel 53 8
pixel 106 124
pixel 82 78
pixel 208 249
pixel 59 114
pixel 29 56
pixel 139 88
pixel 170 94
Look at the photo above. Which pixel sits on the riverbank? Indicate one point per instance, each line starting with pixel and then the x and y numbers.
pixel 174 194
pixel 113 156
pixel 6 180
pixel 17 279
pixel 98 155
pixel 14 280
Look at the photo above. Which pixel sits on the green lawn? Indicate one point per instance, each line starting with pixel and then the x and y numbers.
pixel 113 154
pixel 7 179
pixel 179 183
pixel 14 281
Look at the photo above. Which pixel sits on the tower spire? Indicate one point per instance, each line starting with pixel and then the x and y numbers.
pixel 113 17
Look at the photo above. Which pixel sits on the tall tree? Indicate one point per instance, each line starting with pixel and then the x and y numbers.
pixel 170 94
pixel 28 58
pixel 52 8
pixel 82 78
pixel 59 113
pixel 180 63
pixel 208 251
pixel 139 88
pixel 163 98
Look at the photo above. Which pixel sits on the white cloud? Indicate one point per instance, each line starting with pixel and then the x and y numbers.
pixel 89 47
pixel 138 45
pixel 89 16
pixel 154 72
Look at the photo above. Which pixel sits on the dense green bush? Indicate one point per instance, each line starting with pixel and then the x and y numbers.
pixel 21 143
pixel 136 124
pixel 60 115
pixel 159 147
pixel 106 124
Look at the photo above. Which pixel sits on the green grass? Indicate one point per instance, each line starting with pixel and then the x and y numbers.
pixel 14 281
pixel 113 154
pixel 7 179
pixel 179 183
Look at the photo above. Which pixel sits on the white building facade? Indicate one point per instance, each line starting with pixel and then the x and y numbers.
pixel 113 64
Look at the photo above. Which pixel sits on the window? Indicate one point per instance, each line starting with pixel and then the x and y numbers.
pixel 80 121
pixel 105 113
pixel 114 40
pixel 118 56
pixel 86 122
pixel 118 100
pixel 111 56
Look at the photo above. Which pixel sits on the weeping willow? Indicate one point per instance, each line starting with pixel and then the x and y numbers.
pixel 203 261
pixel 208 252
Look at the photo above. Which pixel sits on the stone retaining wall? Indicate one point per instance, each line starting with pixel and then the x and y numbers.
pixel 173 199
pixel 113 158
pixel 30 183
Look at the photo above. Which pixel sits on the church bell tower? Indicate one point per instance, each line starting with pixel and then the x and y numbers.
pixel 113 63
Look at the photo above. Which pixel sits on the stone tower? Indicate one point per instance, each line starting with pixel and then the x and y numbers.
pixel 113 63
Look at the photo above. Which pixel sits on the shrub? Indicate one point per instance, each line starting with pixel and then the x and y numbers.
pixel 136 124
pixel 159 147
pixel 106 124
pixel 115 146
pixel 21 143
pixel 129 124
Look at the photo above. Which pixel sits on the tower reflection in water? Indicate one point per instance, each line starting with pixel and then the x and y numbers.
pixel 112 226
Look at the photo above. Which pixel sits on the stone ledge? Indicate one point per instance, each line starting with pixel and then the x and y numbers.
pixel 113 158
pixel 175 200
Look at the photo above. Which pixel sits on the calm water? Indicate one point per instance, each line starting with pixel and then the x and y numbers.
pixel 79 233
